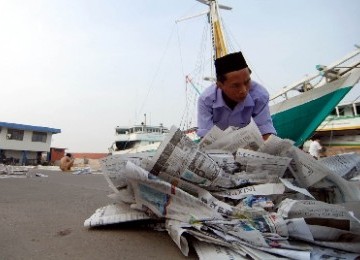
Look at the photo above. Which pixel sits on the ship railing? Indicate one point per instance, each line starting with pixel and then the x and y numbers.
pixel 330 73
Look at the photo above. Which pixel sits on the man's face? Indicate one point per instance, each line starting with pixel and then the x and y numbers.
pixel 237 84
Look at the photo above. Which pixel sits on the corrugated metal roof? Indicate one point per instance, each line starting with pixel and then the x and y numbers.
pixel 30 127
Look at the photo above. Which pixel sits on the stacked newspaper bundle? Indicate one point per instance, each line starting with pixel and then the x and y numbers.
pixel 236 196
pixel 10 171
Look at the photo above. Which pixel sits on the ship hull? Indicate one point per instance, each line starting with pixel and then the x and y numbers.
pixel 297 118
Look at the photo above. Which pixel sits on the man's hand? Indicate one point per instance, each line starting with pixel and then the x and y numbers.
pixel 265 136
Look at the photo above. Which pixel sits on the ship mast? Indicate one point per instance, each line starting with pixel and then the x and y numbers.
pixel 218 40
pixel 219 45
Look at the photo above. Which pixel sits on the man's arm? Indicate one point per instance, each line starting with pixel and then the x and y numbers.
pixel 261 115
pixel 204 118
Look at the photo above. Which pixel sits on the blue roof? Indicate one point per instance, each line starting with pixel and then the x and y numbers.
pixel 30 128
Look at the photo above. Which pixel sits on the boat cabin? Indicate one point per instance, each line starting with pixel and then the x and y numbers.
pixel 138 136
pixel 347 109
pixel 140 129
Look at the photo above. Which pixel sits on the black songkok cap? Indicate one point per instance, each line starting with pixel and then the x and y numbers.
pixel 229 63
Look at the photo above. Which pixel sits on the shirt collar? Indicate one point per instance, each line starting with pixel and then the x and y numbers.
pixel 219 101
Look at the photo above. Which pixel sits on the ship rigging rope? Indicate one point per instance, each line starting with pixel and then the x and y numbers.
pixel 151 85
pixel 191 94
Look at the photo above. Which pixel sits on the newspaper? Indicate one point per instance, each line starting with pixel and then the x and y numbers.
pixel 226 161
pixel 13 171
pixel 345 165
pixel 319 253
pixel 114 213
pixel 256 202
pixel 237 195
pixel 125 195
pixel 214 134
pixel 252 178
pixel 298 229
pixel 165 200
pixel 207 251
pixel 201 194
pixel 291 186
pixel 261 189
pixel 336 238
pixel 306 169
pixel 275 165
pixel 170 202
pixel 274 145
pixel 86 170
pixel 310 208
pixel 325 222
pixel 113 168
pixel 248 137
pixel 176 230
pixel 343 190
pixel 179 157
pixel 335 234
pixel 242 247
pixel 237 174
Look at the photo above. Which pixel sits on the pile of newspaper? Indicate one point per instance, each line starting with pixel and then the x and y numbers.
pixel 11 171
pixel 234 196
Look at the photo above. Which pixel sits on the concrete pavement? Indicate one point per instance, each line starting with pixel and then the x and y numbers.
pixel 42 218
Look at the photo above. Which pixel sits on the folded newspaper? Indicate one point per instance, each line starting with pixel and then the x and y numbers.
pixel 11 171
pixel 238 197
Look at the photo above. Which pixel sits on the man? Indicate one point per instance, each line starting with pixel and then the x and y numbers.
pixel 315 148
pixel 66 162
pixel 235 99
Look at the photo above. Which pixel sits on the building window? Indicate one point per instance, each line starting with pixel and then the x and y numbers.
pixel 39 137
pixel 15 134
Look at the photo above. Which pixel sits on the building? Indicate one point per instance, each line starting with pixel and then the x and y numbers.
pixel 56 154
pixel 24 144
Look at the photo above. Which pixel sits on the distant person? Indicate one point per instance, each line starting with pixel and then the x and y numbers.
pixel 234 99
pixel 306 146
pixel 66 162
pixel 315 148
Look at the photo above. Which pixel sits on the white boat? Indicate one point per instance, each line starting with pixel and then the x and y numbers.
pixel 345 116
pixel 137 139
pixel 297 117
pixel 342 127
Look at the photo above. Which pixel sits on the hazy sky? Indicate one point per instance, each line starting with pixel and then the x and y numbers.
pixel 86 66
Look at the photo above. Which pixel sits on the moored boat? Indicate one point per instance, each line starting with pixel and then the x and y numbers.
pixel 137 139
pixel 341 129
pixel 297 117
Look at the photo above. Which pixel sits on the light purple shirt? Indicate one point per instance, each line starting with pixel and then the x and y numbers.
pixel 212 110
